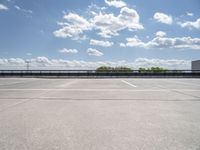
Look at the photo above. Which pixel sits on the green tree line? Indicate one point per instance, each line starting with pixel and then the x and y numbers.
pixel 129 70
pixel 152 70
pixel 113 69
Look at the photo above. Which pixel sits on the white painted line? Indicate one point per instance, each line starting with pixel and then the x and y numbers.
pixel 128 83
pixel 186 83
pixel 108 90
pixel 67 84
pixel 10 83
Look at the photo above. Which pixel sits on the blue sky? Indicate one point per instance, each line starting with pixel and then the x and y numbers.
pixel 100 31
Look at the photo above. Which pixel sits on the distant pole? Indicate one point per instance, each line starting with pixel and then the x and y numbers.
pixel 27 65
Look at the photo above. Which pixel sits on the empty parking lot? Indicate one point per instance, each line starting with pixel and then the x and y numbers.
pixel 99 114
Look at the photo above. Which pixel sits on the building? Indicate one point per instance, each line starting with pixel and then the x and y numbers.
pixel 196 65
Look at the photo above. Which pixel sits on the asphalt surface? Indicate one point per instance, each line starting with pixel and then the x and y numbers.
pixel 99 114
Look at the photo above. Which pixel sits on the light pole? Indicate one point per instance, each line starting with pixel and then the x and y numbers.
pixel 27 64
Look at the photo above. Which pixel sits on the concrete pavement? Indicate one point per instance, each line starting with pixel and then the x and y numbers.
pixel 99 114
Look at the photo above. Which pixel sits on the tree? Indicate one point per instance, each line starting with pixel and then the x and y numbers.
pixel 142 70
pixel 158 70
pixel 114 69
pixel 104 69
pixel 152 70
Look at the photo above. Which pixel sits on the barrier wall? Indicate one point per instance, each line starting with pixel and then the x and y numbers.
pixel 94 74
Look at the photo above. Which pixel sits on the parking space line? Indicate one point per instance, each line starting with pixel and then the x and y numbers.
pixel 23 101
pixel 11 83
pixel 67 84
pixel 129 83
pixel 186 83
pixel 120 90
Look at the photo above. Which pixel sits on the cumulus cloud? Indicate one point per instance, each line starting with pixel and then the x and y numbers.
pixel 3 7
pixel 163 18
pixel 190 14
pixel 115 3
pixel 77 20
pixel 23 10
pixel 68 51
pixel 41 61
pixel 165 63
pixel 164 43
pixel 94 52
pixel 101 43
pixel 93 9
pixel 105 24
pixel 160 34
pixel 133 42
pixel 130 18
pixel 190 24
pixel 109 25
pixel 29 54
pixel 74 27
pixel 45 63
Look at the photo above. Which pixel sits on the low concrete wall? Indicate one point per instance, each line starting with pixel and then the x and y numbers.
pixel 93 74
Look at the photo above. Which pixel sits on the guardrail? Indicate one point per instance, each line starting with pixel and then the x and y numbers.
pixel 95 74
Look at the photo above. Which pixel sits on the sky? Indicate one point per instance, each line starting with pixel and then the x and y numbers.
pixel 85 34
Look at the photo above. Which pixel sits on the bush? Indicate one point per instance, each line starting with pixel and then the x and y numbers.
pixel 114 69
pixel 152 70
pixel 106 69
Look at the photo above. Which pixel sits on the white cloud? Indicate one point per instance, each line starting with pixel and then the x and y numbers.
pixel 74 27
pixel 70 31
pixel 164 43
pixel 105 24
pixel 163 18
pixel 190 24
pixel 3 7
pixel 29 54
pixel 190 14
pixel 130 19
pixel 160 34
pixel 94 52
pixel 109 25
pixel 23 10
pixel 115 3
pixel 56 64
pixel 62 23
pixel 93 9
pixel 77 20
pixel 41 61
pixel 123 45
pixel 67 51
pixel 133 42
pixel 101 43
pixel 165 63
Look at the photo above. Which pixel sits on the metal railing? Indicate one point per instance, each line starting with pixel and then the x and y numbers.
pixel 94 73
